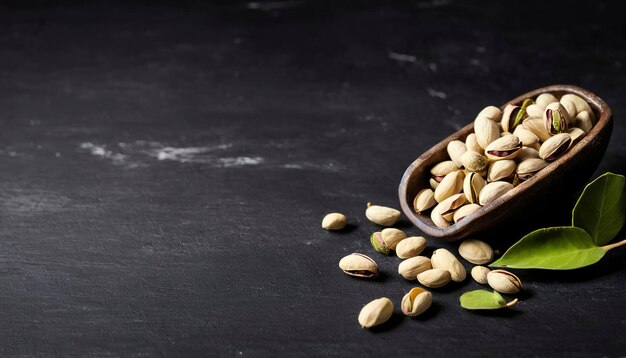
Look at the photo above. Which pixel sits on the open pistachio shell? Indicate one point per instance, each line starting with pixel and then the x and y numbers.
pixel 450 185
pixel 472 185
pixel 555 147
pixel 504 148
pixel 501 170
pixel 359 265
pixel 486 131
pixel 529 167
pixel 556 118
pixel 456 148
pixel 416 302
pixel 494 190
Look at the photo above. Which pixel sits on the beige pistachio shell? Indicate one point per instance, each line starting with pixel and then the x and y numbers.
pixel 544 99
pixel 526 153
pixel 410 247
pixel 334 221
pixel 501 170
pixel 437 217
pixel 472 185
pixel 444 259
pixel 392 236
pixel 576 134
pixel 581 104
pixel 570 107
pixel 472 144
pixel 382 215
pixel 508 117
pixel 450 205
pixel 359 265
pixel 486 131
pixel 529 167
pixel 583 121
pixel 504 282
pixel 416 302
pixel 527 137
pixel 504 148
pixel 434 278
pixel 456 148
pixel 474 161
pixel 554 147
pixel 537 126
pixel 476 251
pixel 556 119
pixel 441 169
pixel 464 211
pixel 534 110
pixel 433 183
pixel 479 274
pixel 376 312
pixel 450 185
pixel 411 267
pixel 494 190
pixel 424 200
pixel 491 112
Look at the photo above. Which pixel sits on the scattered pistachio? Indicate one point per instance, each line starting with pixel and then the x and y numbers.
pixel 376 312
pixel 359 265
pixel 411 246
pixel 416 302
pixel 504 282
pixel 444 259
pixel 479 274
pixel 382 215
pixel 392 236
pixel 334 221
pixel 476 251
pixel 413 266
pixel 376 239
pixel 434 278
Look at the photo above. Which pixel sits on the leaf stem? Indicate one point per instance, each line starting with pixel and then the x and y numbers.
pixel 512 303
pixel 612 246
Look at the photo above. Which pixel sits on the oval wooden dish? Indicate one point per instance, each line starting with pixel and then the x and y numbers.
pixel 577 165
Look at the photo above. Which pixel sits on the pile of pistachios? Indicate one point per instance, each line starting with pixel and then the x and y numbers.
pixel 507 147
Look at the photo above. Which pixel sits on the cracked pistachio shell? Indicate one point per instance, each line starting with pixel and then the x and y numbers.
pixel 444 259
pixel 447 207
pixel 433 183
pixel 456 148
pixel 476 251
pixel 359 265
pixel 501 169
pixel 527 137
pixel 479 274
pixel 424 200
pixel 376 312
pixel 555 147
pixel 504 282
pixel 537 126
pixel 504 148
pixel 494 190
pixel 544 99
pixel 376 239
pixel 491 112
pixel 334 221
pixel 441 169
pixel 576 134
pixel 534 110
pixel 392 236
pixel 581 104
pixel 416 302
pixel 434 278
pixel 472 185
pixel 410 247
pixel 474 161
pixel 437 218
pixel 472 144
pixel 526 153
pixel 411 267
pixel 382 215
pixel 529 167
pixel 556 119
pixel 450 185
pixel 486 131
pixel 583 121
pixel 513 116
pixel 570 107
pixel 464 211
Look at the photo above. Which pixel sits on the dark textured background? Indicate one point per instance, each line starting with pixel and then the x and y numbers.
pixel 164 171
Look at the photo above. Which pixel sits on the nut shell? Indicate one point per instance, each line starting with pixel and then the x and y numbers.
pixel 450 185
pixel 416 302
pixel 456 148
pixel 494 190
pixel 529 167
pixel 359 265
pixel 382 215
pixel 554 147
pixel 486 131
pixel 476 251
pixel 410 247
pixel 491 112
pixel 464 211
pixel 424 200
pixel 376 312
pixel 501 170
pixel 411 267
pixel 444 259
pixel 479 274
pixel 473 161
pixel 504 282
pixel 544 99
pixel 334 221
pixel 434 278
pixel 504 148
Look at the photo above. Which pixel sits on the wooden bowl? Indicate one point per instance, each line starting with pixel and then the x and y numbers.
pixel 570 171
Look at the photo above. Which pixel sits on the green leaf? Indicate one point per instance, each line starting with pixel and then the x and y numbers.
pixel 556 248
pixel 601 208
pixel 483 300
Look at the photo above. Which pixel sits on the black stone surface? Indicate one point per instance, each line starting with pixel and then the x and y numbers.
pixel 164 169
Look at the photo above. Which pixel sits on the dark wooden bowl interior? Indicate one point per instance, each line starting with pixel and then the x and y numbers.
pixel 577 164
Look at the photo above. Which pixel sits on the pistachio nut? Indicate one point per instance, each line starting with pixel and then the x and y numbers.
pixel 441 169
pixel 433 183
pixel 437 218
pixel 447 207
pixel 456 148
pixel 537 126
pixel 534 110
pixel 472 185
pixel 476 251
pixel 472 144
pixel 479 274
pixel 464 211
pixel 376 239
pixel 570 107
pixel 504 148
pixel 413 266
pixel 376 312
pixel 382 215
pixel 410 247
pixel 486 131
pixel 583 121
pixel 491 112
pixel 529 167
pixel 527 137
pixel 501 170
pixel 527 152
pixel 576 134
pixel 416 302
pixel 581 105
pixel 555 147
pixel 544 99
pixel 556 119
pixel 334 221
pixel 504 281
pixel 473 161
pixel 359 265
pixel 444 259
pixel 450 185
pixel 392 236
pixel 434 278
pixel 493 190
pixel 424 200
pixel 514 115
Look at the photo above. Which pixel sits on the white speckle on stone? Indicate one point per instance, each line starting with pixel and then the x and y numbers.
pixel 240 161
pixel 436 94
